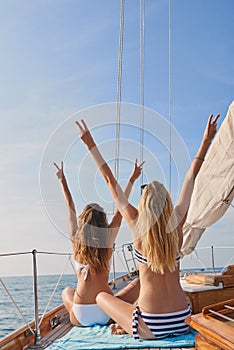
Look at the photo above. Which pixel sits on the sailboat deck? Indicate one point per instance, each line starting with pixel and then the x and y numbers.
pixel 56 324
pixel 64 328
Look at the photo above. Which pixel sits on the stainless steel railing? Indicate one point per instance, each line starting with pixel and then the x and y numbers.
pixel 37 320
pixel 123 252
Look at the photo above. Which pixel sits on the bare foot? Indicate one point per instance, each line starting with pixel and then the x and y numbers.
pixel 117 329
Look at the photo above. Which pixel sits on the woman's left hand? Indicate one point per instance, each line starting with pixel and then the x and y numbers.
pixel 60 173
pixel 210 130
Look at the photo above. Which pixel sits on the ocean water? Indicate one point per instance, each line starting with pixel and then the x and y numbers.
pixel 21 289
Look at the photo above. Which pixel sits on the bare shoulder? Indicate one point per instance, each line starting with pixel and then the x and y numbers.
pixel 137 244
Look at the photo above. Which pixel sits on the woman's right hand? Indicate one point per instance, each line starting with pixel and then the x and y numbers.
pixel 136 171
pixel 60 173
pixel 85 134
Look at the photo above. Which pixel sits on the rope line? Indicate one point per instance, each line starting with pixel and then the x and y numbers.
pixel 72 265
pixel 16 306
pixel 55 253
pixel 142 81
pixel 54 290
pixel 199 260
pixel 119 88
pixel 169 90
pixel 13 254
pixel 227 264
pixel 121 261
pixel 216 247
pixel 25 253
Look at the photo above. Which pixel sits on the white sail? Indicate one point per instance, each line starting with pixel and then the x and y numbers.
pixel 214 185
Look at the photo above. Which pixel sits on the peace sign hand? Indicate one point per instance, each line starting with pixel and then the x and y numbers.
pixel 85 134
pixel 60 173
pixel 210 130
pixel 137 170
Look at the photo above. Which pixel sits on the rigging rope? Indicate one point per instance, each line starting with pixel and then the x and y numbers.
pixel 169 89
pixel 55 288
pixel 119 88
pixel 142 81
pixel 11 254
pixel 17 307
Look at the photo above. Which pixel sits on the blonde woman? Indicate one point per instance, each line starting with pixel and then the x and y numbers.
pixel 157 235
pixel 92 241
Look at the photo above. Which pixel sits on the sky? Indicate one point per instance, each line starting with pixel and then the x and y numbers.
pixel 59 63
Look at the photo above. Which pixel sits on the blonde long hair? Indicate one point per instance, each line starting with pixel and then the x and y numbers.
pixel 90 243
pixel 155 211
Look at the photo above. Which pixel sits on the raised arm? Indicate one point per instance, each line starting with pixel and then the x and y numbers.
pixel 188 185
pixel 117 218
pixel 72 219
pixel 128 212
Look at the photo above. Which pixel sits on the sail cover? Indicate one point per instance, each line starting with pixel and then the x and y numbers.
pixel 214 185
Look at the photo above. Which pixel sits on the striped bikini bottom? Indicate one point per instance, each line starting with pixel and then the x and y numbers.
pixel 162 325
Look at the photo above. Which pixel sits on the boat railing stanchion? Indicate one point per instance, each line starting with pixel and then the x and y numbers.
pixel 125 259
pixel 36 312
pixel 212 257
pixel 130 248
pixel 114 271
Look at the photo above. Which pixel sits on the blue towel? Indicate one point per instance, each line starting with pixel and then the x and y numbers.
pixel 100 337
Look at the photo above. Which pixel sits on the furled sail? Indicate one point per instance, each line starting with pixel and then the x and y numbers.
pixel 214 185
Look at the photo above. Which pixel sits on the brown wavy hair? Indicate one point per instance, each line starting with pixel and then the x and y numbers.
pixel 90 243
pixel 159 246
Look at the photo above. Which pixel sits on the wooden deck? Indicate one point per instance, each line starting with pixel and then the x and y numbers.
pixel 215 325
pixel 55 325
pixel 65 327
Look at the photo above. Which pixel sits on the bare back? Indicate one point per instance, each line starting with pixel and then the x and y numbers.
pixel 87 290
pixel 159 293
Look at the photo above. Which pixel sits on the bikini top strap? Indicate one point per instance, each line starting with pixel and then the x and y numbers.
pixel 84 269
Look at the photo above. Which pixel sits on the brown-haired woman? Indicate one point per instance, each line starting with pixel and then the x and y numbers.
pixel 92 242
